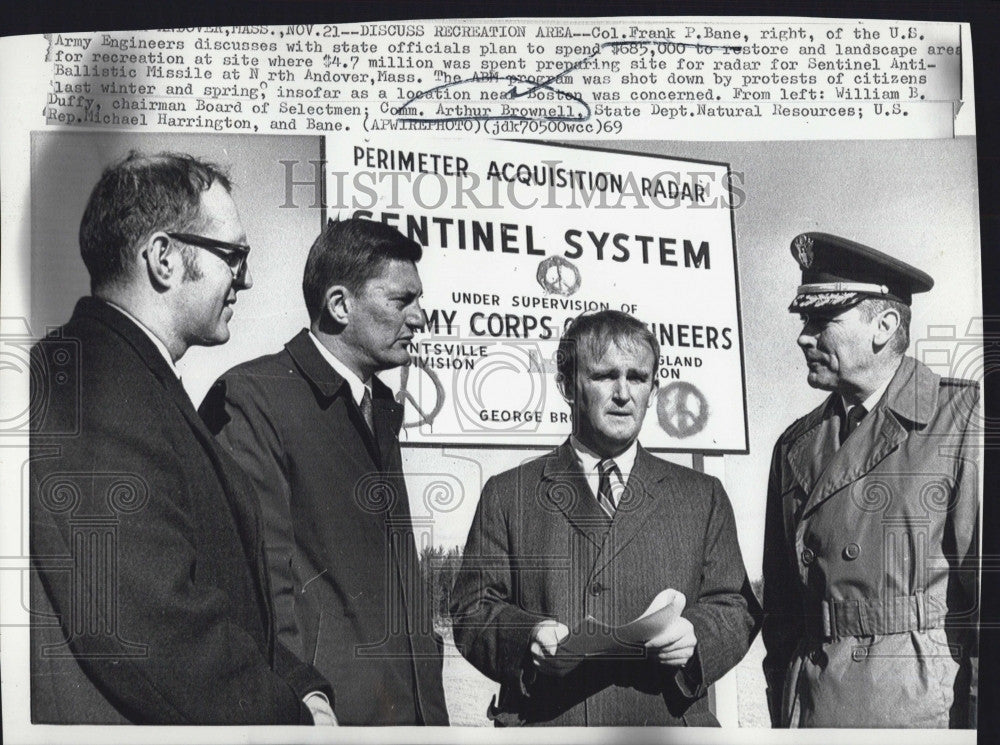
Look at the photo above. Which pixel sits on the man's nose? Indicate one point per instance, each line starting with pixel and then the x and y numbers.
pixel 244 281
pixel 620 390
pixel 415 318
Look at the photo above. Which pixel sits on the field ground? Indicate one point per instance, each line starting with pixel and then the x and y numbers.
pixel 750 688
pixel 468 692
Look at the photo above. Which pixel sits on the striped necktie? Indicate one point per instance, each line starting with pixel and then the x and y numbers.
pixel 604 495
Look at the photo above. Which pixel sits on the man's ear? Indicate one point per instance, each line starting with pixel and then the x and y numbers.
pixel 565 389
pixel 655 391
pixel 885 325
pixel 163 261
pixel 338 301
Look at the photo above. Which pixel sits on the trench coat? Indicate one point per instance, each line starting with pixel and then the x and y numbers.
pixel 149 588
pixel 871 560
pixel 541 547
pixel 341 552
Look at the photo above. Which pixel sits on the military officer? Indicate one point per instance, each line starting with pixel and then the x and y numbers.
pixel 871 537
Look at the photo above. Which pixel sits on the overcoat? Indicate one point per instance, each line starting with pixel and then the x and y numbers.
pixel 541 547
pixel 340 544
pixel 870 561
pixel 149 589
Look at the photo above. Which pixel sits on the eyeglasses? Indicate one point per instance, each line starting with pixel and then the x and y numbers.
pixel 234 254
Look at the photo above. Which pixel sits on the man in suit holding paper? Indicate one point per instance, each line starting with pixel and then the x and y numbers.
pixel 599 527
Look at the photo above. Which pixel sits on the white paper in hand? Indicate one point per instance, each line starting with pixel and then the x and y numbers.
pixel 594 639
pixel 664 609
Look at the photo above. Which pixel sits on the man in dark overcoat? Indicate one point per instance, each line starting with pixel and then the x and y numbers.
pixel 318 434
pixel 149 590
pixel 871 536
pixel 598 528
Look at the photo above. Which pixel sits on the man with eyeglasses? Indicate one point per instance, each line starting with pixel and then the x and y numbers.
pixel 149 585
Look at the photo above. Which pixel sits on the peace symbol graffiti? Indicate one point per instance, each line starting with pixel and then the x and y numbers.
pixel 403 395
pixel 558 276
pixel 681 409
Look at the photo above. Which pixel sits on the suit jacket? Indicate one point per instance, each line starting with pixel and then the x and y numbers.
pixel 870 561
pixel 149 588
pixel 540 547
pixel 341 552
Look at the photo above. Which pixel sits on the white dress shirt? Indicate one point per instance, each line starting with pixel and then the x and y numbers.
pixel 152 337
pixel 870 402
pixel 589 459
pixel 357 385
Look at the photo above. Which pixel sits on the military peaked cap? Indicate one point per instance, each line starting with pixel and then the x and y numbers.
pixel 838 273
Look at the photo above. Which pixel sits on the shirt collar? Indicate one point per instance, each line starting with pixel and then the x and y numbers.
pixel 152 337
pixel 876 395
pixel 870 402
pixel 589 459
pixel 357 385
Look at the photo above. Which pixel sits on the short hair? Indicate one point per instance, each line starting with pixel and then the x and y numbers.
pixel 134 198
pixel 597 331
pixel 872 306
pixel 349 253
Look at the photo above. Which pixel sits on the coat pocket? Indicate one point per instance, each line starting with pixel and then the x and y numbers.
pixel 899 680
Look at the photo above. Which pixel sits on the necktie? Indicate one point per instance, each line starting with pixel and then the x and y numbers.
pixel 854 417
pixel 366 410
pixel 604 495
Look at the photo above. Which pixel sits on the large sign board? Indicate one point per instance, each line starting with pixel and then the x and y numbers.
pixel 520 238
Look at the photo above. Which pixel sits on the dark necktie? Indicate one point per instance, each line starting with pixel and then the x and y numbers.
pixel 604 495
pixel 854 417
pixel 366 410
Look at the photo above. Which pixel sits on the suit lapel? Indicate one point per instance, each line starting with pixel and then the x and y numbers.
pixel 566 491
pixel 329 385
pixel 236 491
pixel 909 400
pixel 367 437
pixel 877 436
pixel 239 494
pixel 809 456
pixel 388 418
pixel 647 486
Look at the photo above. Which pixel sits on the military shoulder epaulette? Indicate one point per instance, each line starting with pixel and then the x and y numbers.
pixel 805 422
pixel 960 382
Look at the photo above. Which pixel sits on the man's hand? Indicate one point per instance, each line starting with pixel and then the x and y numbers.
pixel 545 638
pixel 322 713
pixel 675 645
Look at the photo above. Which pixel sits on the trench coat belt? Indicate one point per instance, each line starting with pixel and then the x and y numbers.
pixel 876 616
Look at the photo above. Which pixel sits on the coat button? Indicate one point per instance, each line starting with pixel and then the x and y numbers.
pixel 852 551
pixel 858 654
pixel 808 556
pixel 596 589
